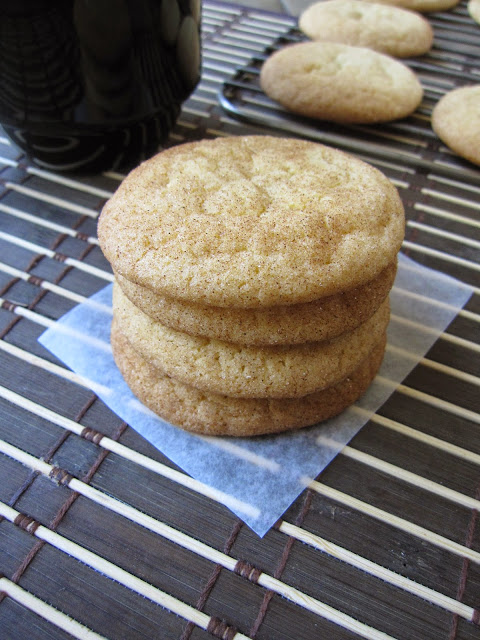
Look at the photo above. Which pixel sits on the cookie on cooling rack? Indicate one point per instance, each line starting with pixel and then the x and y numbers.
pixel 423 6
pixel 213 414
pixel 388 29
pixel 247 372
pixel 321 319
pixel 456 121
pixel 340 83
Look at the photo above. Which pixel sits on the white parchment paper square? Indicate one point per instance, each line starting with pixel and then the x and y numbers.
pixel 258 478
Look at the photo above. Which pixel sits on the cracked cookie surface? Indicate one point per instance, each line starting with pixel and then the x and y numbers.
pixel 456 121
pixel 385 28
pixel 218 415
pixel 249 372
pixel 340 83
pixel 252 222
pixel 321 319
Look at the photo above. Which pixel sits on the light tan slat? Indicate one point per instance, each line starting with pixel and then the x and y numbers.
pixel 442 255
pixel 447 197
pixel 221 68
pixel 59 179
pixel 446 235
pixel 460 342
pixel 437 366
pixel 395 521
pixel 202 99
pixel 451 371
pixel 225 53
pixel 400 184
pixel 230 122
pixel 56 369
pixel 217 132
pixel 211 22
pixel 386 164
pixel 186 125
pixel 423 117
pixel 433 401
pixel 47 612
pixel 113 572
pixel 252 44
pixel 35 248
pixel 205 88
pixel 7 161
pixel 252 39
pixel 413 142
pixel 411 478
pixel 47 224
pixel 277 19
pixel 58 202
pixel 449 337
pixel 195 546
pixel 225 11
pixel 195 112
pixel 475 317
pixel 114 175
pixel 243 454
pixel 176 137
pixel 31 315
pixel 247 26
pixel 420 436
pixel 414 267
pixel 47 322
pixel 54 288
pixel 359 562
pixel 69 182
pixel 448 215
pixel 454 183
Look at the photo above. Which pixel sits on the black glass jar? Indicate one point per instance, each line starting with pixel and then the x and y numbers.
pixel 89 85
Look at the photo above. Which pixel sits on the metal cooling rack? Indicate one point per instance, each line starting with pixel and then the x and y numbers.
pixel 452 62
pixel 102 537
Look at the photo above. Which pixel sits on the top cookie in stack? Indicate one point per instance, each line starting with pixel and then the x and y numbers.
pixel 252 281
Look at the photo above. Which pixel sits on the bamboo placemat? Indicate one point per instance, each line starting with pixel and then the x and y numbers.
pixel 101 537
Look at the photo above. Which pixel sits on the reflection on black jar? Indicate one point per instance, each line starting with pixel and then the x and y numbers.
pixel 95 84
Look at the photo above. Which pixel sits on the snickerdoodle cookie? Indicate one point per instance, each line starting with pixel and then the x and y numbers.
pixel 456 121
pixel 321 319
pixel 340 83
pixel 387 29
pixel 214 415
pixel 251 222
pixel 247 372
pixel 423 6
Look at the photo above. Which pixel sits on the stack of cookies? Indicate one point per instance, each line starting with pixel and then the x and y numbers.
pixel 252 280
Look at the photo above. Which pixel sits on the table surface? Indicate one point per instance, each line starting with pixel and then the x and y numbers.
pixel 102 537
